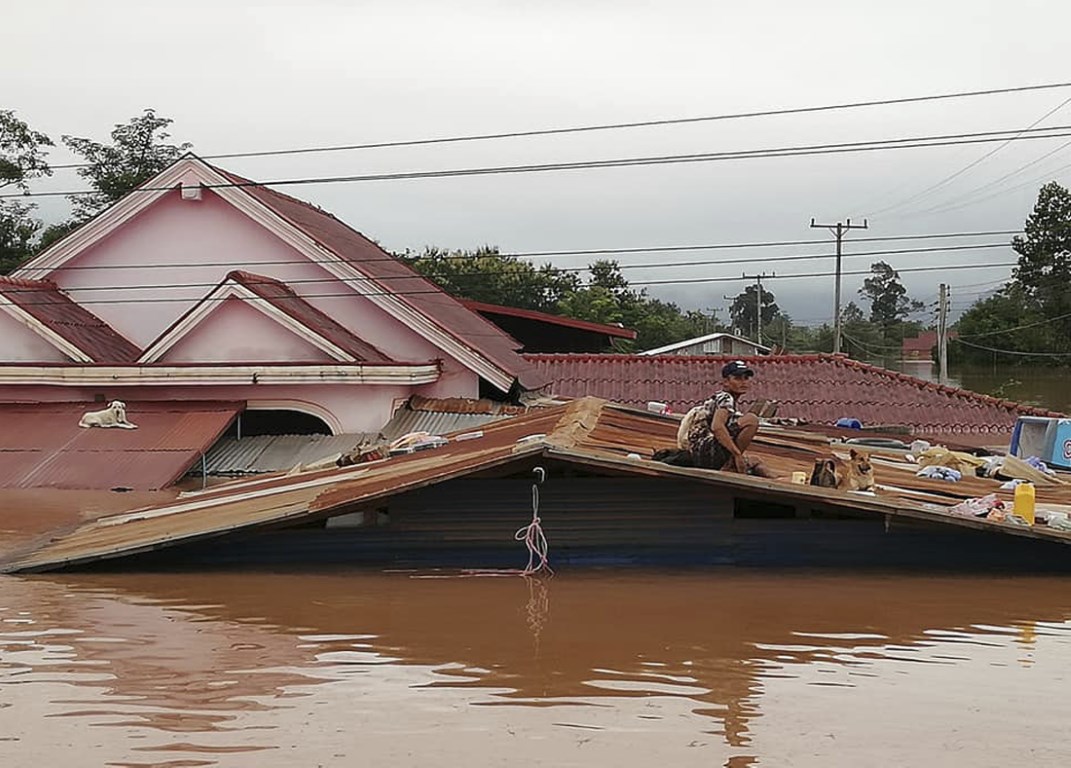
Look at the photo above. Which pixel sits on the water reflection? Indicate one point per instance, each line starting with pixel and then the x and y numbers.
pixel 704 668
pixel 1030 383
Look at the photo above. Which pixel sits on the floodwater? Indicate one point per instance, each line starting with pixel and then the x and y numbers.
pixel 626 668
pixel 1036 385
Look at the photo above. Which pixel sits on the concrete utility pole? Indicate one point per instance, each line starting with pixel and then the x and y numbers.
pixel 758 298
pixel 838 231
pixel 942 335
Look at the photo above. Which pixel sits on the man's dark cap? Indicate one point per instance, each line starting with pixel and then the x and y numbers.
pixel 736 368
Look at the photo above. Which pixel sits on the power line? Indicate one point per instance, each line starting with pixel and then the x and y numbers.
pixel 916 142
pixel 977 161
pixel 1011 351
pixel 1017 327
pixel 964 199
pixel 626 125
pixel 439 291
pixel 610 251
pixel 647 265
pixel 878 350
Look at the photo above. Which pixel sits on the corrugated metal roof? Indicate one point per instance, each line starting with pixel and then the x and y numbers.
pixel 436 423
pixel 275 453
pixel 42 446
pixel 588 433
pixel 56 311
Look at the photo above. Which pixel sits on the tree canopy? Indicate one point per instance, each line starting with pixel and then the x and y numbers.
pixel 139 150
pixel 1028 320
pixel 496 278
pixel 23 157
pixel 744 312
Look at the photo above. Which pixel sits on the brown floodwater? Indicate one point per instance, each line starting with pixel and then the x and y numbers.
pixel 596 667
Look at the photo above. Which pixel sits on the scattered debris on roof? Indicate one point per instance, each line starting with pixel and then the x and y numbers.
pixel 589 434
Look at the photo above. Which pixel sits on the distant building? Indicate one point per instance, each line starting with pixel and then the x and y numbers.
pixel 921 348
pixel 542 332
pixel 712 344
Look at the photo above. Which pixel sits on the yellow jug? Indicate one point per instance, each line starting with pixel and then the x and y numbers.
pixel 1024 502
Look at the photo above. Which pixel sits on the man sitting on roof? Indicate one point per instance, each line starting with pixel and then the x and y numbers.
pixel 717 434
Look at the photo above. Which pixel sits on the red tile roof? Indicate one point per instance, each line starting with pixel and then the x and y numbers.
pixel 818 388
pixel 279 295
pixel 543 317
pixel 44 447
pixel 399 280
pixel 47 304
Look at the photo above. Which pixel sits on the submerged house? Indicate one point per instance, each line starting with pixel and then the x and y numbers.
pixel 710 344
pixel 204 286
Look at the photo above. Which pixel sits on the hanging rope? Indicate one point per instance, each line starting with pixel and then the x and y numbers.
pixel 532 534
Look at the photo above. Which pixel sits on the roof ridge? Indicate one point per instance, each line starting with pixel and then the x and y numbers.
pixel 243 181
pixel 22 282
pixel 244 276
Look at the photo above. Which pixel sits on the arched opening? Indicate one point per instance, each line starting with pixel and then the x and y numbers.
pixel 277 421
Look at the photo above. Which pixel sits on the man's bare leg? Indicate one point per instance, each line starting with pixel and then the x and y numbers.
pixel 749 427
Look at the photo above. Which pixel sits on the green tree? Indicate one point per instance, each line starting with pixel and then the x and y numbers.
pixel 608 298
pixel 489 276
pixel 22 152
pixel 743 311
pixel 139 150
pixel 997 321
pixel 1043 273
pixel 18 228
pixel 890 305
pixel 22 158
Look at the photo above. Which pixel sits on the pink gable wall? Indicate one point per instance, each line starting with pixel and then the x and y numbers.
pixel 19 344
pixel 176 251
pixel 235 331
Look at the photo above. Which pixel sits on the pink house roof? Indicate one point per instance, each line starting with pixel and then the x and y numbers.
pixel 818 388
pixel 47 304
pixel 399 280
pixel 285 300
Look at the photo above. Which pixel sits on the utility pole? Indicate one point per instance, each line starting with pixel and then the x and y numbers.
pixel 758 298
pixel 942 335
pixel 838 231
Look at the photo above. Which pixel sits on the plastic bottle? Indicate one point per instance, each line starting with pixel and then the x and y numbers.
pixel 1024 502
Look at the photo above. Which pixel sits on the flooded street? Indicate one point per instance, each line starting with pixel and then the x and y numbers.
pixel 704 668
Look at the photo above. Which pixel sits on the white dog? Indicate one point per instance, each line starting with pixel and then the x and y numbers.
pixel 112 416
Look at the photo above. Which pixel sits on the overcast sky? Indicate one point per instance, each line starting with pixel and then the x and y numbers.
pixel 243 76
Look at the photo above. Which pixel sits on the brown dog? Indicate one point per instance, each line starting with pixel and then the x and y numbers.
pixel 856 474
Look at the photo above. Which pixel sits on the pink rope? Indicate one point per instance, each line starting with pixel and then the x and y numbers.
pixel 533 537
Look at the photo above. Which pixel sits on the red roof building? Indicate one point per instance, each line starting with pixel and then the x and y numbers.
pixel 543 332
pixel 817 388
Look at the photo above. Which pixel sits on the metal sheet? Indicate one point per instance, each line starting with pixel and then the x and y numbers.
pixel 585 438
pixel 406 421
pixel 275 453
pixel 43 446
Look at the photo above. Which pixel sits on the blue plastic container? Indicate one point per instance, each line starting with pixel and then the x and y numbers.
pixel 1048 439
